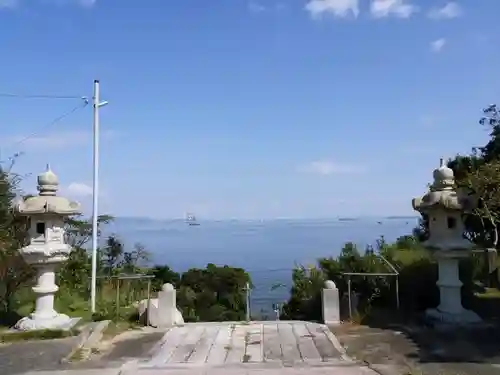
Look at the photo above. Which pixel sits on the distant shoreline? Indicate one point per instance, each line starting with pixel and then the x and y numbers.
pixel 328 219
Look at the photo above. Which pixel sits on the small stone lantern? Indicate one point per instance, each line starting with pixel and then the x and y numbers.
pixel 444 207
pixel 46 249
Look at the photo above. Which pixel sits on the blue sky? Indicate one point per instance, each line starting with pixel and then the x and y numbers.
pixel 248 109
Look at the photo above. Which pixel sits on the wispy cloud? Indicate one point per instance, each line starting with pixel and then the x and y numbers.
pixel 79 189
pixel 11 4
pixel 394 8
pixel 428 121
pixel 52 141
pixel 336 8
pixel 448 11
pixel 8 4
pixel 351 8
pixel 438 45
pixel 82 191
pixel 87 3
pixel 82 3
pixel 255 7
pixel 329 167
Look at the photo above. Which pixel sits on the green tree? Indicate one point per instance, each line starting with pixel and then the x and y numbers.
pixel 163 274
pixel 79 230
pixel 133 260
pixel 479 174
pixel 13 235
pixel 214 293
pixel 112 253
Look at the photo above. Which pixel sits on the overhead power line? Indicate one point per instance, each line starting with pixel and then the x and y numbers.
pixel 82 105
pixel 40 96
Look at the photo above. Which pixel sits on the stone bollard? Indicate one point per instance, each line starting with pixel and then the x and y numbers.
pixel 167 306
pixel 161 312
pixel 330 303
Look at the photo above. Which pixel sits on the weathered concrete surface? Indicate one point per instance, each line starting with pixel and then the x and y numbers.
pixel 346 370
pixel 127 347
pixel 421 350
pixel 286 343
pixel 20 357
pixel 266 348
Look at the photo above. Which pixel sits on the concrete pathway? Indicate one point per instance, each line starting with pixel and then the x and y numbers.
pixel 287 343
pixel 284 347
pixel 19 357
pixel 267 348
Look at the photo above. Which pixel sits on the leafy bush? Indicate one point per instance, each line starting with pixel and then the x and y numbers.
pixel 417 279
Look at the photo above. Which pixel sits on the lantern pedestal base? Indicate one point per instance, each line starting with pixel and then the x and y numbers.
pixel 464 317
pixel 450 310
pixel 56 322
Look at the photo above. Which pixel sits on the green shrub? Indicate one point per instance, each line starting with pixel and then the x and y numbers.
pixel 43 334
pixel 418 273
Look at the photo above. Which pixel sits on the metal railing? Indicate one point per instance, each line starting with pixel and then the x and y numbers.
pixel 124 289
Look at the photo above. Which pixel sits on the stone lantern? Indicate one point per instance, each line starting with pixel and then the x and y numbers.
pixel 444 207
pixel 46 249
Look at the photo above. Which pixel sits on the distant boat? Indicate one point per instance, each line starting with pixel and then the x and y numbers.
pixel 191 219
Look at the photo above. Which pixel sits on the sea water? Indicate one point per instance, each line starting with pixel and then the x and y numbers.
pixel 267 249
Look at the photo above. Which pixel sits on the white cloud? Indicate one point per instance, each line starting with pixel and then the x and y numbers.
pixel 328 167
pixel 337 8
pixel 448 11
pixel 79 189
pixel 396 8
pixel 438 44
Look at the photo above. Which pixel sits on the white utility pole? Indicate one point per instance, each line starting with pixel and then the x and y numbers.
pixel 95 191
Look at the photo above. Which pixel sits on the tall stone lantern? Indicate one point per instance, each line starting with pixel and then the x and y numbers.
pixel 46 250
pixel 444 207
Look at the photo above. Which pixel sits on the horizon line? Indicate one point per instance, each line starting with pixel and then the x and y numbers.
pixel 341 218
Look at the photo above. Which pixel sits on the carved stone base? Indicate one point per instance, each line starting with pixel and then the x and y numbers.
pixel 464 318
pixel 58 321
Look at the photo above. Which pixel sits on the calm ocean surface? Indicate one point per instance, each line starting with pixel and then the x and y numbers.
pixel 268 250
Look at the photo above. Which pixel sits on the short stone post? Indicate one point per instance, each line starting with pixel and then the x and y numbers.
pixel 330 303
pixel 167 306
